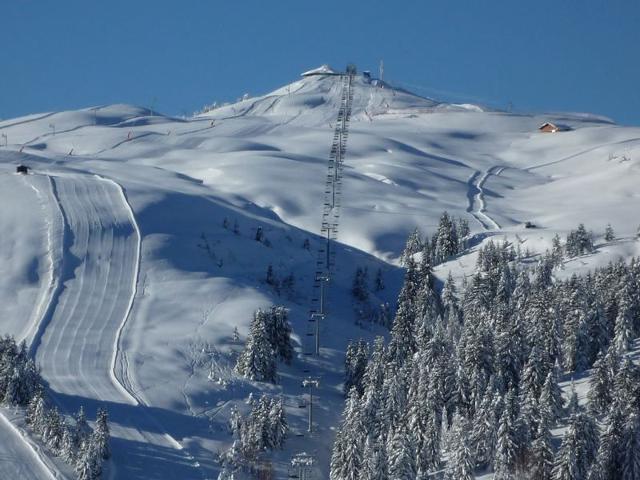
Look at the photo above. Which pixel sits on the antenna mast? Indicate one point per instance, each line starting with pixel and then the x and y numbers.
pixel 381 75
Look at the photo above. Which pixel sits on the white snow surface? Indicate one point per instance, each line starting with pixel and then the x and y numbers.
pixel 114 260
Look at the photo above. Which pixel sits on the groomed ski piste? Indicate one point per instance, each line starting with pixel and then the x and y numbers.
pixel 117 268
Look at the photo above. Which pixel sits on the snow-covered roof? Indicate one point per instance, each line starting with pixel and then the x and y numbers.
pixel 321 70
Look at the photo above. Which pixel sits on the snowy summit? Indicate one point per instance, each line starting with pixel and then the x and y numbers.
pixel 321 70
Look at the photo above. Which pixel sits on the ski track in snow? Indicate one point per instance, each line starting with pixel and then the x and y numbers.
pixel 21 457
pixel 26 459
pixel 475 195
pixel 55 239
pixel 79 334
pixel 588 150
pixel 30 120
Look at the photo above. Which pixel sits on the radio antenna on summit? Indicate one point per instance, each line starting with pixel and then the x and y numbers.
pixel 381 74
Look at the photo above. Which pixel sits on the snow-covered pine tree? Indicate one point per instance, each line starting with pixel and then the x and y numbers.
pixel 608 461
pixel 403 343
pixel 450 302
pixel 346 458
pixel 279 331
pixel 506 447
pixel 460 465
pixel 631 448
pixel 578 449
pixel 446 239
pixel 394 392
pixel 601 384
pixel 401 454
pixel 413 246
pixel 483 435
pixel 53 431
pixel 579 242
pixel 463 233
pixel 609 234
pixel 81 430
pixel 355 363
pixel 542 459
pixel 101 434
pixel 575 342
pixel 360 287
pixel 36 412
pixel 277 426
pixel 374 465
pixel 257 361
pixel 557 250
pixel 68 448
pixel 623 330
pixel 89 464
pixel 12 388
pixel 627 386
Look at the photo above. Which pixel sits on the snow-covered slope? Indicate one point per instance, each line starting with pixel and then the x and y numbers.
pixel 139 327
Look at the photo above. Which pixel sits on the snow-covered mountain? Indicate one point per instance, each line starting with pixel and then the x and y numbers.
pixel 129 253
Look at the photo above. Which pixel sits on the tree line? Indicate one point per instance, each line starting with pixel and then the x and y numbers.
pixel 469 380
pixel 71 439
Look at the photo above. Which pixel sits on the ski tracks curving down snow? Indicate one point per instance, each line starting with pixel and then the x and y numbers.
pixel 475 194
pixel 77 348
pixel 21 457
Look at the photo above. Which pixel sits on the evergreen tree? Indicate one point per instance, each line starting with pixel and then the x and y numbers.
pixel 257 362
pixel 101 435
pixel 413 246
pixel 627 386
pixel 346 459
pixel 542 451
pixel 579 242
pixel 36 412
pixel 82 430
pixel 355 364
pixel 460 465
pixel 609 459
pixel 578 449
pixel 403 344
pixel 624 319
pixel 374 461
pixel 609 234
pixel 359 287
pixel 401 455
pixel 279 332
pixel 557 251
pixel 463 233
pixel 506 448
pixel 53 431
pixel 631 448
pixel 551 396
pixel 446 239
pixel 89 465
pixel 450 302
pixel 279 426
pixel 601 384
pixel 484 432
pixel 68 449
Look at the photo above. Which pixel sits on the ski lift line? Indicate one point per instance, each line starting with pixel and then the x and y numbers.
pixel 325 260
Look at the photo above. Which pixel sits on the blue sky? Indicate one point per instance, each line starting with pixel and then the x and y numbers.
pixel 542 56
